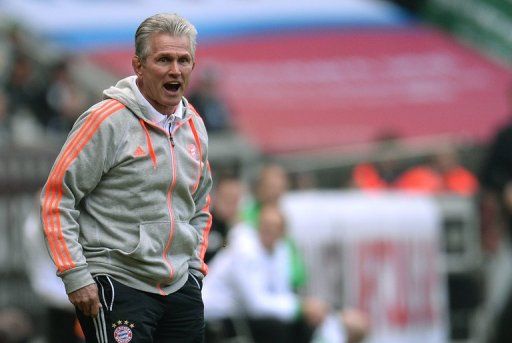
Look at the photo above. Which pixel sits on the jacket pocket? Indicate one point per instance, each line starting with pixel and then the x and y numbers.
pixel 142 253
pixel 157 252
pixel 182 248
pixel 156 255
pixel 185 240
pixel 152 240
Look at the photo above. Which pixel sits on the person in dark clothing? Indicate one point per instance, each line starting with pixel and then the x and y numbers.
pixel 207 101
pixel 25 92
pixel 496 180
pixel 226 196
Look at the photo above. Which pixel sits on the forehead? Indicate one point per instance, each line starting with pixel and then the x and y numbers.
pixel 161 43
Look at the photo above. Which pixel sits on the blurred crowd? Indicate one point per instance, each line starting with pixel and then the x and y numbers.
pixel 255 286
pixel 36 97
pixel 44 96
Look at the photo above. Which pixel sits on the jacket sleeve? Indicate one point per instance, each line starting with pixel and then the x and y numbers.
pixel 76 172
pixel 202 219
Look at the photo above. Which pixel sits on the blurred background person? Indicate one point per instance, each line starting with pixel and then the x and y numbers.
pixel 442 173
pixel 16 326
pixel 15 44
pixel 496 179
pixel 383 170
pixel 271 184
pixel 25 105
pixel 227 194
pixel 248 287
pixel 455 177
pixel 208 102
pixel 63 97
pixel 4 115
pixel 60 321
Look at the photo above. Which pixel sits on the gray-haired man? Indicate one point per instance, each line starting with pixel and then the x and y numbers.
pixel 126 206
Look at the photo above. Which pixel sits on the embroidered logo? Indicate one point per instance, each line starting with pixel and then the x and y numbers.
pixel 139 152
pixel 123 331
pixel 192 150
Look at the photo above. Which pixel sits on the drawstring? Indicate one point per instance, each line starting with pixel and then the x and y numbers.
pixel 148 142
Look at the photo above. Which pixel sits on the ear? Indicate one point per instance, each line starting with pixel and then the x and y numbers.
pixel 137 65
pixel 193 65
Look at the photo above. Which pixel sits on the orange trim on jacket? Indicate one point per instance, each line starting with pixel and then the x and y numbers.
pixel 50 208
pixel 171 216
pixel 206 231
pixel 149 143
pixel 198 144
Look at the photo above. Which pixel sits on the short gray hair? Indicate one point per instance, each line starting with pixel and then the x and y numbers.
pixel 171 23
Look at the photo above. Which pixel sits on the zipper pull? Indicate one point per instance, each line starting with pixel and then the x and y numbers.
pixel 169 129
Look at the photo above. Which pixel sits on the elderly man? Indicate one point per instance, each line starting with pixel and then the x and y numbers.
pixel 125 209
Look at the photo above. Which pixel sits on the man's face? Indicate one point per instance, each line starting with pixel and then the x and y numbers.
pixel 227 198
pixel 271 227
pixel 164 75
pixel 272 185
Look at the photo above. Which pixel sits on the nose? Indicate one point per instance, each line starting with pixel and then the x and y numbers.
pixel 174 69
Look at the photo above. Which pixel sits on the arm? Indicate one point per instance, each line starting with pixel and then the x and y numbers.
pixel 76 172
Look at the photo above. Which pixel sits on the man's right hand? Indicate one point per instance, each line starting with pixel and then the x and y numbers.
pixel 86 299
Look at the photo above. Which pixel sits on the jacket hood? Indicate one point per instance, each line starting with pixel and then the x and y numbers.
pixel 124 93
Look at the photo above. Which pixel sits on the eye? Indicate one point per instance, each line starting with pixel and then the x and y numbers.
pixel 163 59
pixel 184 60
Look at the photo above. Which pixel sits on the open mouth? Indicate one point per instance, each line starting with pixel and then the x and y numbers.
pixel 172 86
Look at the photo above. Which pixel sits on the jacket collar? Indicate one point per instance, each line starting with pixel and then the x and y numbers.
pixel 125 91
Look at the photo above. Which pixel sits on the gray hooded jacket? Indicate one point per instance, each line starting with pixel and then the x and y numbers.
pixel 129 199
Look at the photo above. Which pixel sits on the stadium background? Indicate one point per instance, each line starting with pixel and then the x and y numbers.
pixel 309 84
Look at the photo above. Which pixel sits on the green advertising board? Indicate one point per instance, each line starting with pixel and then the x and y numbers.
pixel 485 24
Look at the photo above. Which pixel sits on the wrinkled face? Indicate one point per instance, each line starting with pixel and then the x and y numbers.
pixel 164 75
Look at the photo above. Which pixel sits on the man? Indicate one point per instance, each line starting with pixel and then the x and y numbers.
pixel 496 204
pixel 227 194
pixel 269 187
pixel 250 278
pixel 125 209
pixel 207 100
pixel 248 292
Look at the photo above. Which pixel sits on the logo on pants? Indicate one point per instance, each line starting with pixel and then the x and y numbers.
pixel 123 331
